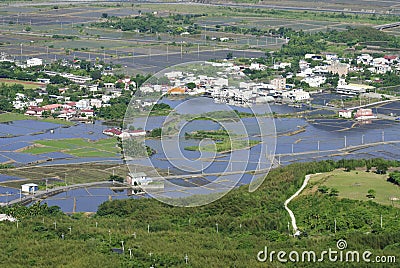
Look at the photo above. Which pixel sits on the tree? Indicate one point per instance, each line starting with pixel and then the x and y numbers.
pixel 229 56
pixel 191 85
pixel 116 178
pixel 381 168
pixel 104 15
pixel 323 189
pixel 371 193
pixel 95 75
pixel 334 192
pixel 52 90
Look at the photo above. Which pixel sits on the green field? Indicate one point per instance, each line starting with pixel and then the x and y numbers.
pixel 355 185
pixel 26 84
pixel 77 147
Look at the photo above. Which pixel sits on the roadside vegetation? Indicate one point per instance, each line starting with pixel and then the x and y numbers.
pixel 246 224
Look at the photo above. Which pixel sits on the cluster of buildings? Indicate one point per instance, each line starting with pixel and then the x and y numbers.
pixel 67 111
pixel 360 114
pixel 222 87
pixel 379 65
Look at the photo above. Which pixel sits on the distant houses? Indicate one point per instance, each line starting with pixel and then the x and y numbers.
pixel 364 114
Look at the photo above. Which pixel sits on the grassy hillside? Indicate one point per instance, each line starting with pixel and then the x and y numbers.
pixel 247 222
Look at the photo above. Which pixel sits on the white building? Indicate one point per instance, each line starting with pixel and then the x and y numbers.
pixel 138 178
pixel 351 89
pixel 83 104
pixel 296 95
pixel 34 62
pixel 29 188
pixel 345 113
pixel 314 81
pixel 278 83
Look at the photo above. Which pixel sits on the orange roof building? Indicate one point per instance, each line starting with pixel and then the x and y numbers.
pixel 177 90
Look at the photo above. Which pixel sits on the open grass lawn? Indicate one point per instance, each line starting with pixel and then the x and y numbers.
pixel 26 84
pixel 355 185
pixel 77 147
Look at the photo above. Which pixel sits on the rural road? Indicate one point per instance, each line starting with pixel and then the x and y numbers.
pixel 291 214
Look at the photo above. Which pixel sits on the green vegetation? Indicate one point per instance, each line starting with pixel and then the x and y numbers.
pixel 160 109
pixel 77 147
pixel 225 142
pixel 356 185
pixel 116 178
pixel 247 222
pixel 149 23
pixel 394 177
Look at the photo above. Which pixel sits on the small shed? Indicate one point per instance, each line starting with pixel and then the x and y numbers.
pixel 137 178
pixel 29 188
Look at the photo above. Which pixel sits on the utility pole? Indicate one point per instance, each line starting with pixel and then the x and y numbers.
pixel 345 142
pixel 130 253
pixel 216 226
pixel 148 228
pixel 362 139
pixel 381 222
pixel 123 248
pixel 318 146
pixel 383 136
pixel 186 259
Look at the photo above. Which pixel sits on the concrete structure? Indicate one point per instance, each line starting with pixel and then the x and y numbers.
pixel 351 89
pixel 29 188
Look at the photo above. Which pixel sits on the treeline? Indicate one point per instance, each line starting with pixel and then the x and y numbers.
pixel 149 23
pixel 394 177
pixel 37 209
pixel 259 212
pixel 361 35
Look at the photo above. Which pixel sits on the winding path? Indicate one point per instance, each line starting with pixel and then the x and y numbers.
pixel 291 214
